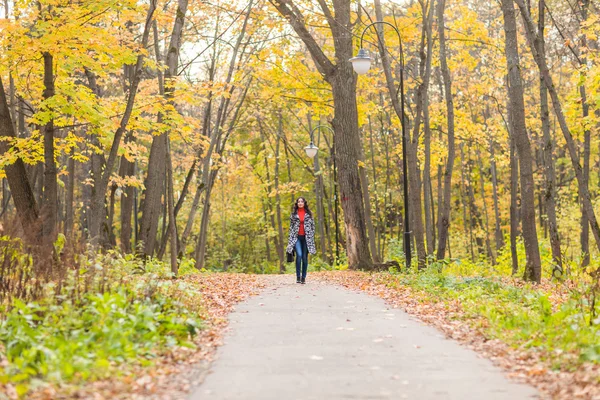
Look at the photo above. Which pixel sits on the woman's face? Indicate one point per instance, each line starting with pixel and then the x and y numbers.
pixel 300 203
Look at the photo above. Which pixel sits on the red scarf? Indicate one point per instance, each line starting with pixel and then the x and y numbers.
pixel 301 214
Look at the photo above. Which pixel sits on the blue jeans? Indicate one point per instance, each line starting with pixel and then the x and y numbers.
pixel 301 257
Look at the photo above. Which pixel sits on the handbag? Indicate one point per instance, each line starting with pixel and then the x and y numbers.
pixel 290 257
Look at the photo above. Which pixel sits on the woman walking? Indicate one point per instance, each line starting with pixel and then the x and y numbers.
pixel 302 237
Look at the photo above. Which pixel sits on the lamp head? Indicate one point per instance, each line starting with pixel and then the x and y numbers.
pixel 311 150
pixel 361 63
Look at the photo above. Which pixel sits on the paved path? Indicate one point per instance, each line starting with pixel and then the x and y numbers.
pixel 321 342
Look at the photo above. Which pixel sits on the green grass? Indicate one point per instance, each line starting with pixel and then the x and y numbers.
pixel 113 314
pixel 567 334
pixel 67 342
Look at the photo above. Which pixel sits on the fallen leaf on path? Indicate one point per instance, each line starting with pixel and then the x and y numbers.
pixel 524 364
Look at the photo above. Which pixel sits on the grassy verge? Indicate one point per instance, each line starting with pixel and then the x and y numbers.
pixel 72 338
pixel 555 320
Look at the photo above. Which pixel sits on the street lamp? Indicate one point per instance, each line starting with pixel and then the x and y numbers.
pixel 311 151
pixel 361 64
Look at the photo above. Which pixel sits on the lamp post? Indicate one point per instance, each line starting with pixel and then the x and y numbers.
pixel 311 151
pixel 361 64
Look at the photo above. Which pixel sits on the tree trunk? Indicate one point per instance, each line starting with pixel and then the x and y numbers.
pixel 289 170
pixel 488 245
pixel 467 222
pixel 347 141
pixel 427 195
pixel 153 192
pixel 364 181
pixel 21 119
pixel 171 210
pixel 163 231
pixel 444 221
pixel 86 196
pixel 184 191
pixel 112 240
pixel 585 250
pixel 267 243
pixel 70 196
pixel 278 198
pixel 192 216
pixel 318 194
pixel 429 225
pixel 16 175
pixel 331 212
pixel 49 210
pixel 433 221
pixel 498 231
pixel 127 199
pixel 13 103
pixel 96 217
pixel 440 173
pixel 208 174
pixel 514 201
pixel 387 213
pixel 5 199
pixel 549 173
pixel 200 253
pixel 186 188
pixel 533 267
pixel 380 227
pixel 585 231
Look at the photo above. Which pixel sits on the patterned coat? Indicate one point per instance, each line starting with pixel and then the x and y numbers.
pixel 309 230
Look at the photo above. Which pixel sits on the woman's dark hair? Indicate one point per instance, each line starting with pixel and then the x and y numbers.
pixel 305 206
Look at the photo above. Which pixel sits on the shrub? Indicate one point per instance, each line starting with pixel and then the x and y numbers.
pixel 88 315
pixel 70 341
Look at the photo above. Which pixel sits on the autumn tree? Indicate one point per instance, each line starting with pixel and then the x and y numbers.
pixel 342 79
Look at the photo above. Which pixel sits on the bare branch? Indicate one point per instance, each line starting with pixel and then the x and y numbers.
pixel 296 19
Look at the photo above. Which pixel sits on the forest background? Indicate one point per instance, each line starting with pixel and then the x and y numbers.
pixel 117 108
